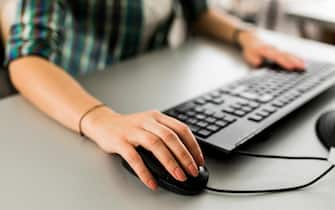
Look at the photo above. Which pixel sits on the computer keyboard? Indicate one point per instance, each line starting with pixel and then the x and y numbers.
pixel 230 115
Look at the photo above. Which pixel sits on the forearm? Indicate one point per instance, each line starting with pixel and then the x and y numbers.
pixel 52 90
pixel 218 25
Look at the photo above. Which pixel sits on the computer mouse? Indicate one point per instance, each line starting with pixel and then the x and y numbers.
pixel 192 186
pixel 325 129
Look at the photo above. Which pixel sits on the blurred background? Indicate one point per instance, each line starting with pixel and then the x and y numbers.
pixel 312 19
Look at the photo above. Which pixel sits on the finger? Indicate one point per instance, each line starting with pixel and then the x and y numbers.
pixel 136 163
pixel 298 63
pixel 185 135
pixel 154 144
pixel 253 59
pixel 176 146
pixel 278 57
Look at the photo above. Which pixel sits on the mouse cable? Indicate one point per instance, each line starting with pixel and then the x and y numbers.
pixel 276 190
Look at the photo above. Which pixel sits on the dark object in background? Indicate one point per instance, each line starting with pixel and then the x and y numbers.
pixel 325 129
pixel 6 87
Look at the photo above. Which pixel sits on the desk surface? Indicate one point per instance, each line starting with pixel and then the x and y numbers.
pixel 321 12
pixel 44 166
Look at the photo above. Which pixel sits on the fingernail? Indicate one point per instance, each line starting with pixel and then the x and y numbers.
pixel 179 174
pixel 194 171
pixel 152 184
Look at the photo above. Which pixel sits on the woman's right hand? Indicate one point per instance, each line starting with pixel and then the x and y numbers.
pixel 171 141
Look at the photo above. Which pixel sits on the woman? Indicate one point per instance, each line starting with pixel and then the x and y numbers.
pixel 51 40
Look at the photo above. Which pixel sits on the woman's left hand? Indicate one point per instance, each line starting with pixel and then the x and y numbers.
pixel 255 51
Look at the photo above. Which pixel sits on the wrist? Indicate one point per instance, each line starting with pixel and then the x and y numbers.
pixel 245 37
pixel 95 120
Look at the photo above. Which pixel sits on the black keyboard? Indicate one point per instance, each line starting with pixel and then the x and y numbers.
pixel 229 116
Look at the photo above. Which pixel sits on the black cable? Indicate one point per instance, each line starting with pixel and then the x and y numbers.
pixel 277 190
pixel 249 154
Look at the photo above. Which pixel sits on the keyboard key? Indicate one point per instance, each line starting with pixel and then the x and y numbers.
pixel 270 109
pixel 221 123
pixel 265 98
pixel 210 120
pixel 236 106
pixel 243 102
pixel 278 104
pixel 199 109
pixel 256 118
pixel 200 101
pixel 208 112
pixel 216 94
pixel 247 109
pixel 219 115
pixel 263 114
pixel 200 116
pixel 194 128
pixel 191 113
pixel 203 133
pixel 182 117
pixel 184 107
pixel 172 113
pixel 202 124
pixel 253 104
pixel 213 128
pixel 218 101
pixel 191 121
pixel 240 113
pixel 229 119
pixel 250 96
pixel 208 97
pixel 229 110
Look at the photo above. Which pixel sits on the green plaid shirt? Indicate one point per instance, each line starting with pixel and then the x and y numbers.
pixel 86 35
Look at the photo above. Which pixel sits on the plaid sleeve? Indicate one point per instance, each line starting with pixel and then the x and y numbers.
pixel 193 9
pixel 37 30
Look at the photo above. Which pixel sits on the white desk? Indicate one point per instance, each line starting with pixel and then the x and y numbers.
pixel 44 166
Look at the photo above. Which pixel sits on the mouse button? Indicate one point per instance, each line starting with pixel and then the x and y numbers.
pixel 198 182
pixel 152 163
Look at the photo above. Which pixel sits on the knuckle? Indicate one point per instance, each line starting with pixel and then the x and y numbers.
pixel 155 113
pixel 183 155
pixel 183 129
pixel 133 157
pixel 154 141
pixel 168 136
pixel 143 172
pixel 170 163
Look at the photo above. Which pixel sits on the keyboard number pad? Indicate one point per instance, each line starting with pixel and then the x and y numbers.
pixel 201 121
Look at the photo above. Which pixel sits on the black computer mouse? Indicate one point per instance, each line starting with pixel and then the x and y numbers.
pixel 325 129
pixel 192 186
